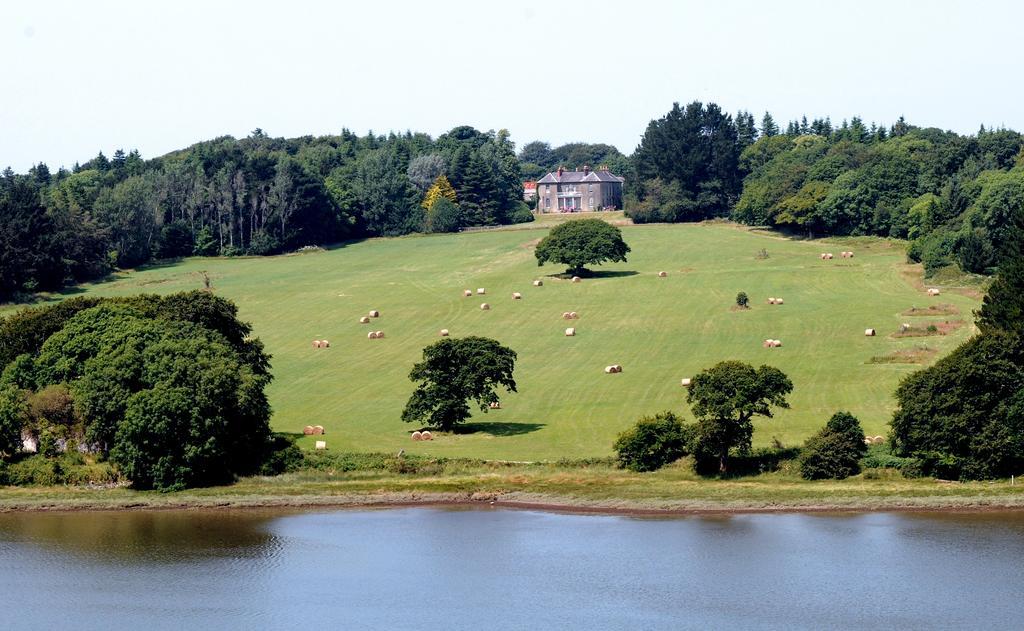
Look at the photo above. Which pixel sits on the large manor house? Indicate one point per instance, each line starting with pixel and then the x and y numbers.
pixel 576 191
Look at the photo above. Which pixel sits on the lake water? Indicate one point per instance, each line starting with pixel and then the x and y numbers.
pixel 505 569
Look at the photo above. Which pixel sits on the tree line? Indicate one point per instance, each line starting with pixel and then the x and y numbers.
pixel 951 195
pixel 254 196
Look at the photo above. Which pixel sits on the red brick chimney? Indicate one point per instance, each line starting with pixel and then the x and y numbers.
pixel 586 169
pixel 559 171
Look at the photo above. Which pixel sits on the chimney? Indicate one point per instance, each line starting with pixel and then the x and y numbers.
pixel 559 171
pixel 586 169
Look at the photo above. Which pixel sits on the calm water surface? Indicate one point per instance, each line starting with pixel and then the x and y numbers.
pixel 502 569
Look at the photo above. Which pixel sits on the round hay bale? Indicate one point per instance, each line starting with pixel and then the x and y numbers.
pixel 426 435
pixel 878 440
pixel 933 291
pixel 779 301
pixel 576 279
pixel 565 315
pixel 778 343
pixel 571 331
pixel 662 274
pixel 417 435
pixel 516 295
pixel 374 313
pixel 444 333
pixel 767 344
pixel 849 255
pixel 318 430
pixel 685 382
pixel 538 283
pixel 468 292
pixel 618 368
pixel 307 430
pixel 573 315
pixel 316 343
pixel 869 332
pixel 481 291
pixel 771 301
pixel 867 441
pixel 824 256
pixel 609 369
pixel 372 335
pixel 364 320
pixel 829 256
pixel 496 405
pixel 380 334
pixel 484 306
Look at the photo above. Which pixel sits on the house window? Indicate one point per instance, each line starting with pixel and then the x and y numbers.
pixel 547 202
pixel 591 203
pixel 590 188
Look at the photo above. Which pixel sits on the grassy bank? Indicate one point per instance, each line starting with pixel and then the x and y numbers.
pixel 371 479
pixel 659 329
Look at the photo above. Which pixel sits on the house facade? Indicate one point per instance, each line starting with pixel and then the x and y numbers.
pixel 579 191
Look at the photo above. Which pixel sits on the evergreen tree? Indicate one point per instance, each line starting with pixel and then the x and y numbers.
pixel 805 128
pixel 768 126
pixel 746 130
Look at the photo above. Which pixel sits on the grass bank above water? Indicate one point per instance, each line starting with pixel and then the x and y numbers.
pixel 597 486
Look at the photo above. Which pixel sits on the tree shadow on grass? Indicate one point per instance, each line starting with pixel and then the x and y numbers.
pixel 597 274
pixel 498 429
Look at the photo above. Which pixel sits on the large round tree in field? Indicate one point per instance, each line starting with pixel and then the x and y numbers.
pixel 454 372
pixel 582 242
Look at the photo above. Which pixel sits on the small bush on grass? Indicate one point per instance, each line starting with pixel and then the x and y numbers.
pixel 36 470
pixel 835 451
pixel 654 442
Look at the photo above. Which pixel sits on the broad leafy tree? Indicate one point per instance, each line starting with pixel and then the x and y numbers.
pixel 653 442
pixel 454 372
pixel 582 242
pixel 835 451
pixel 726 397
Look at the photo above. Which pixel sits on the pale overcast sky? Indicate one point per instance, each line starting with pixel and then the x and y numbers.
pixel 79 77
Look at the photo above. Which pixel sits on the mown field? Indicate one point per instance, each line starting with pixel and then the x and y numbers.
pixel 659 329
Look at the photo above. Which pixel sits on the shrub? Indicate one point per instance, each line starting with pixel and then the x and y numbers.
pixel 835 451
pixel 284 457
pixel 36 470
pixel 522 214
pixel 742 300
pixel 654 442
pixel 13 414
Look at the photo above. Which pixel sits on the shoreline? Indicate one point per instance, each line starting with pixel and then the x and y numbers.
pixel 525 502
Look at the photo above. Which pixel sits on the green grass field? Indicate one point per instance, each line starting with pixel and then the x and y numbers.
pixel 658 329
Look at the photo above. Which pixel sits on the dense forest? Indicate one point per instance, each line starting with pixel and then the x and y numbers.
pixel 951 195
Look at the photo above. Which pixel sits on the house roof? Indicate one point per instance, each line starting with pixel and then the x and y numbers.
pixel 529 185
pixel 575 177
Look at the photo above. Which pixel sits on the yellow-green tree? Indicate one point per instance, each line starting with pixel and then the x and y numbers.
pixel 441 188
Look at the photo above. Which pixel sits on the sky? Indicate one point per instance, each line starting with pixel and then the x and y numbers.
pixel 80 77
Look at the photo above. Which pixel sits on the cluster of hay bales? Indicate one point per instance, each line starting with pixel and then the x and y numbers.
pixel 611 370
pixel 869 332
pixel 932 291
pixel 481 291
pixel 570 315
pixel 443 333
pixel 570 332
pixel 576 279
pixel 313 430
pixel 374 313
pixel 321 344
pixel 685 382
pixel 375 335
pixel 424 435
pixel 874 440
pixel 772 344
pixel 846 255
pixel 776 301
pixel 321 445
pixel 516 295
pixel 495 406
pixel 538 283
pixel 485 307
pixel 826 256
pixel 662 274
